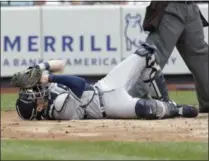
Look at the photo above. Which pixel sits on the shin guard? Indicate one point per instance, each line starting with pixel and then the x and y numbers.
pixel 152 74
pixel 157 86
pixel 155 109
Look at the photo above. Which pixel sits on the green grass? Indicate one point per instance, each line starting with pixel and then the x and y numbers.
pixel 8 101
pixel 62 150
pixel 182 97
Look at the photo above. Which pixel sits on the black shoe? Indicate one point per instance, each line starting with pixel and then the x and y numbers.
pixel 187 111
pixel 204 110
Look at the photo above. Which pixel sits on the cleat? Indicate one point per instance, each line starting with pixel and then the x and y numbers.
pixel 187 111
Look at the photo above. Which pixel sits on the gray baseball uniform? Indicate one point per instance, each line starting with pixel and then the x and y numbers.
pixel 65 105
pixel 108 97
pixel 181 26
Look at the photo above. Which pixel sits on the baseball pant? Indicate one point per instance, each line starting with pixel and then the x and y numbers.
pixel 181 26
pixel 117 102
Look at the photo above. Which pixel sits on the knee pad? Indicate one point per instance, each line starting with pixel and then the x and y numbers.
pixel 142 111
pixel 150 109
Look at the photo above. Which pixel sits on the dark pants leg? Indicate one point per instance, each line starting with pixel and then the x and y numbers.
pixel 175 26
pixel 194 51
pixel 165 39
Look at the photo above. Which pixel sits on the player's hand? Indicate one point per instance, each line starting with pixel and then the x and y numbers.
pixel 28 78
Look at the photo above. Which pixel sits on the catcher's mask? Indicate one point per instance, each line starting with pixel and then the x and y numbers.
pixel 32 102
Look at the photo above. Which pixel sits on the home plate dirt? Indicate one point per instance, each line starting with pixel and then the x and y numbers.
pixel 177 129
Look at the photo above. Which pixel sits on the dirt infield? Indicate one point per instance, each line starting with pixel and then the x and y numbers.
pixel 124 130
pixel 177 129
pixel 9 90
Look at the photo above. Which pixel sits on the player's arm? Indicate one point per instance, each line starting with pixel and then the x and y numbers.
pixel 53 65
pixel 30 77
pixel 76 84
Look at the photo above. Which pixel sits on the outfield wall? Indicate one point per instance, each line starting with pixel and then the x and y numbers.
pixel 92 39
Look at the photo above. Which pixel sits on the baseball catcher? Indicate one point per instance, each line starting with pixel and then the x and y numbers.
pixel 44 95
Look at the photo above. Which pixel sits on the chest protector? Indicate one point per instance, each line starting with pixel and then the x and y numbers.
pixel 67 107
pixel 63 104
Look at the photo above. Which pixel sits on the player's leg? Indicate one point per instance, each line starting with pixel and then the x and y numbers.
pixel 155 83
pixel 125 74
pixel 165 38
pixel 156 109
pixel 119 104
pixel 194 51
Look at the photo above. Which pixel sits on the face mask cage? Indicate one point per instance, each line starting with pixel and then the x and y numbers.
pixel 39 92
pixel 38 95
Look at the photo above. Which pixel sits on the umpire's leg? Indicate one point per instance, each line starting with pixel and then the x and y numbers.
pixel 194 51
pixel 165 39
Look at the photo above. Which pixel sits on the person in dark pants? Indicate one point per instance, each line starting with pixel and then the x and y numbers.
pixel 180 24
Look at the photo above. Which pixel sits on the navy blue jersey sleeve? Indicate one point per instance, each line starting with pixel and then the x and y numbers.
pixel 76 84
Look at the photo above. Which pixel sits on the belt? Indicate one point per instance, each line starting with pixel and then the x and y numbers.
pixel 101 101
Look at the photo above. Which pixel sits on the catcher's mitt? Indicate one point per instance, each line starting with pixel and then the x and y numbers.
pixel 28 78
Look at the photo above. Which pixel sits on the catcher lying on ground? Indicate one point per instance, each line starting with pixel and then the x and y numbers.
pixel 44 95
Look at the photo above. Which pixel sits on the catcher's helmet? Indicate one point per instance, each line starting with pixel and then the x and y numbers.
pixel 27 105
